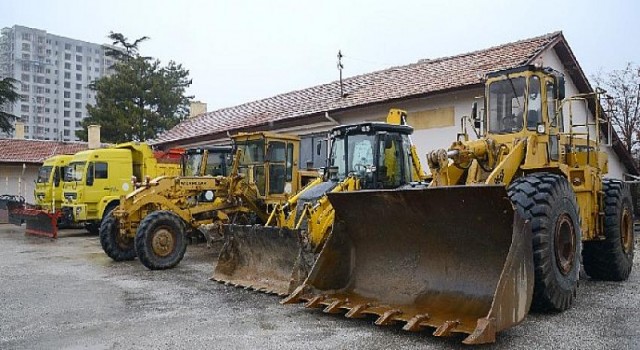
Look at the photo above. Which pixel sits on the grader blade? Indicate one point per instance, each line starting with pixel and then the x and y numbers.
pixel 266 259
pixel 458 259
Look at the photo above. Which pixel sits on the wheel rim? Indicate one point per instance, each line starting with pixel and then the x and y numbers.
pixel 565 244
pixel 162 242
pixel 626 231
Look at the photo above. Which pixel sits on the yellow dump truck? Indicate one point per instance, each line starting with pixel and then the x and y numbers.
pixel 95 179
pixel 48 191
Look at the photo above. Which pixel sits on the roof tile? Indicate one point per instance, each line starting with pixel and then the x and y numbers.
pixel 35 151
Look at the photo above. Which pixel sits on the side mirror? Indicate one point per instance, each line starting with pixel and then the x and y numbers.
pixel 560 93
pixel 90 175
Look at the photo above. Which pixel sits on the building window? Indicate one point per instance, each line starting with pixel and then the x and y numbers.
pixel 67 65
pixel 67 85
pixel 67 75
pixel 39 90
pixel 66 132
pixel 78 104
pixel 78 58
pixel 26 87
pixel 78 67
pixel 26 56
pixel 24 98
pixel 26 47
pixel 78 115
pixel 67 56
pixel 78 86
pixel 78 76
pixel 67 94
pixel 67 46
pixel 47 81
pixel 24 118
pixel 26 67
pixel 25 78
pixel 67 114
pixel 67 123
pixel 97 70
pixel 48 51
pixel 97 60
pixel 26 128
pixel 26 36
pixel 67 104
pixel 78 48
pixel 24 108
pixel 78 124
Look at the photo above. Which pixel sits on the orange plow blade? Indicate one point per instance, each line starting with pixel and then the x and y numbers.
pixel 457 259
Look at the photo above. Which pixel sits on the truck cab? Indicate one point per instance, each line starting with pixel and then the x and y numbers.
pixel 48 190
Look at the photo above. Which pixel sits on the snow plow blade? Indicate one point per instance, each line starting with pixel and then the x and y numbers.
pixel 457 259
pixel 266 259
pixel 38 222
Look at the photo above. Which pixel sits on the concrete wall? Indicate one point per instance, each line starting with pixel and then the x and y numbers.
pixel 14 181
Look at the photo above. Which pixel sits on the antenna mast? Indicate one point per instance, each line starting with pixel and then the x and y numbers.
pixel 340 66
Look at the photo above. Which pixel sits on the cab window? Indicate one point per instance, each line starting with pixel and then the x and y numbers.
pixel 101 170
pixel 534 104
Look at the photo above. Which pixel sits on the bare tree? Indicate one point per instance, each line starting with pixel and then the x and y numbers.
pixel 623 86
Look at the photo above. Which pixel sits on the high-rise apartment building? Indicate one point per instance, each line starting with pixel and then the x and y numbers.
pixel 53 74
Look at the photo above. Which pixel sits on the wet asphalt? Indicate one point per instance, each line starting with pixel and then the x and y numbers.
pixel 67 294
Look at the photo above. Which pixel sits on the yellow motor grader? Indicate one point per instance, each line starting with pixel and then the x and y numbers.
pixel 499 229
pixel 276 257
pixel 151 222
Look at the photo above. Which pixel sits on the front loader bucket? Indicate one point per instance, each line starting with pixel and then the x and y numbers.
pixel 267 259
pixel 38 222
pixel 458 259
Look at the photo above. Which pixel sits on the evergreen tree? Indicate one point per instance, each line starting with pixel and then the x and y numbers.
pixel 8 95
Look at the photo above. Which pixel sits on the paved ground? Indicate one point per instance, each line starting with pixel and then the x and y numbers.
pixel 66 294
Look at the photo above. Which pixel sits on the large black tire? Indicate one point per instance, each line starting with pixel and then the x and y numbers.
pixel 94 226
pixel 612 258
pixel 548 201
pixel 116 247
pixel 160 240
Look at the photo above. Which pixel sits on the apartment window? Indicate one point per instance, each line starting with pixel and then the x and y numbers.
pixel 48 71
pixel 67 94
pixel 49 41
pixel 47 120
pixel 88 68
pixel 67 114
pixel 26 47
pixel 39 80
pixel 78 67
pixel 97 70
pixel 78 104
pixel 48 51
pixel 24 118
pixel 67 46
pixel 78 124
pixel 26 88
pixel 47 100
pixel 47 81
pixel 47 110
pixel 24 108
pixel 78 114
pixel 67 75
pixel 66 132
pixel 97 61
pixel 24 98
pixel 67 104
pixel 67 123
pixel 78 58
pixel 78 48
pixel 26 128
pixel 67 56
pixel 47 90
pixel 78 76
pixel 26 56
pixel 67 85
pixel 26 67
pixel 67 65
pixel 39 90
pixel 78 86
pixel 26 36
pixel 41 39
pixel 25 77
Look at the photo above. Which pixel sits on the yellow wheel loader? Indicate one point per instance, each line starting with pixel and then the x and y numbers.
pixel 275 258
pixel 499 229
pixel 151 222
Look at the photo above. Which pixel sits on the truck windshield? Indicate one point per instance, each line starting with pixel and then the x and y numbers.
pixel 506 105
pixel 75 171
pixel 352 154
pixel 192 164
pixel 44 174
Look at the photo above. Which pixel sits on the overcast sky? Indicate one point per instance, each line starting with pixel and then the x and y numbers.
pixel 240 51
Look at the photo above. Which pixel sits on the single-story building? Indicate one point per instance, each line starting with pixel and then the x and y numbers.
pixel 436 93
pixel 20 160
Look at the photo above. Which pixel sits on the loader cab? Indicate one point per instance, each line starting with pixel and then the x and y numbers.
pixel 209 161
pixel 271 162
pixel 523 101
pixel 378 154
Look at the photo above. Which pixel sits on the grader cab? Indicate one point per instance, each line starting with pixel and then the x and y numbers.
pixel 498 230
pixel 276 257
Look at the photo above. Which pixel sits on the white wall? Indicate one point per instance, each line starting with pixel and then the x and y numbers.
pixel 14 181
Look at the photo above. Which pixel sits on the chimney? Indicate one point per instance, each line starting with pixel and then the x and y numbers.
pixel 197 108
pixel 19 131
pixel 93 132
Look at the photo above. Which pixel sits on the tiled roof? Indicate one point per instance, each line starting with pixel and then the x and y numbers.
pixel 35 151
pixel 421 78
